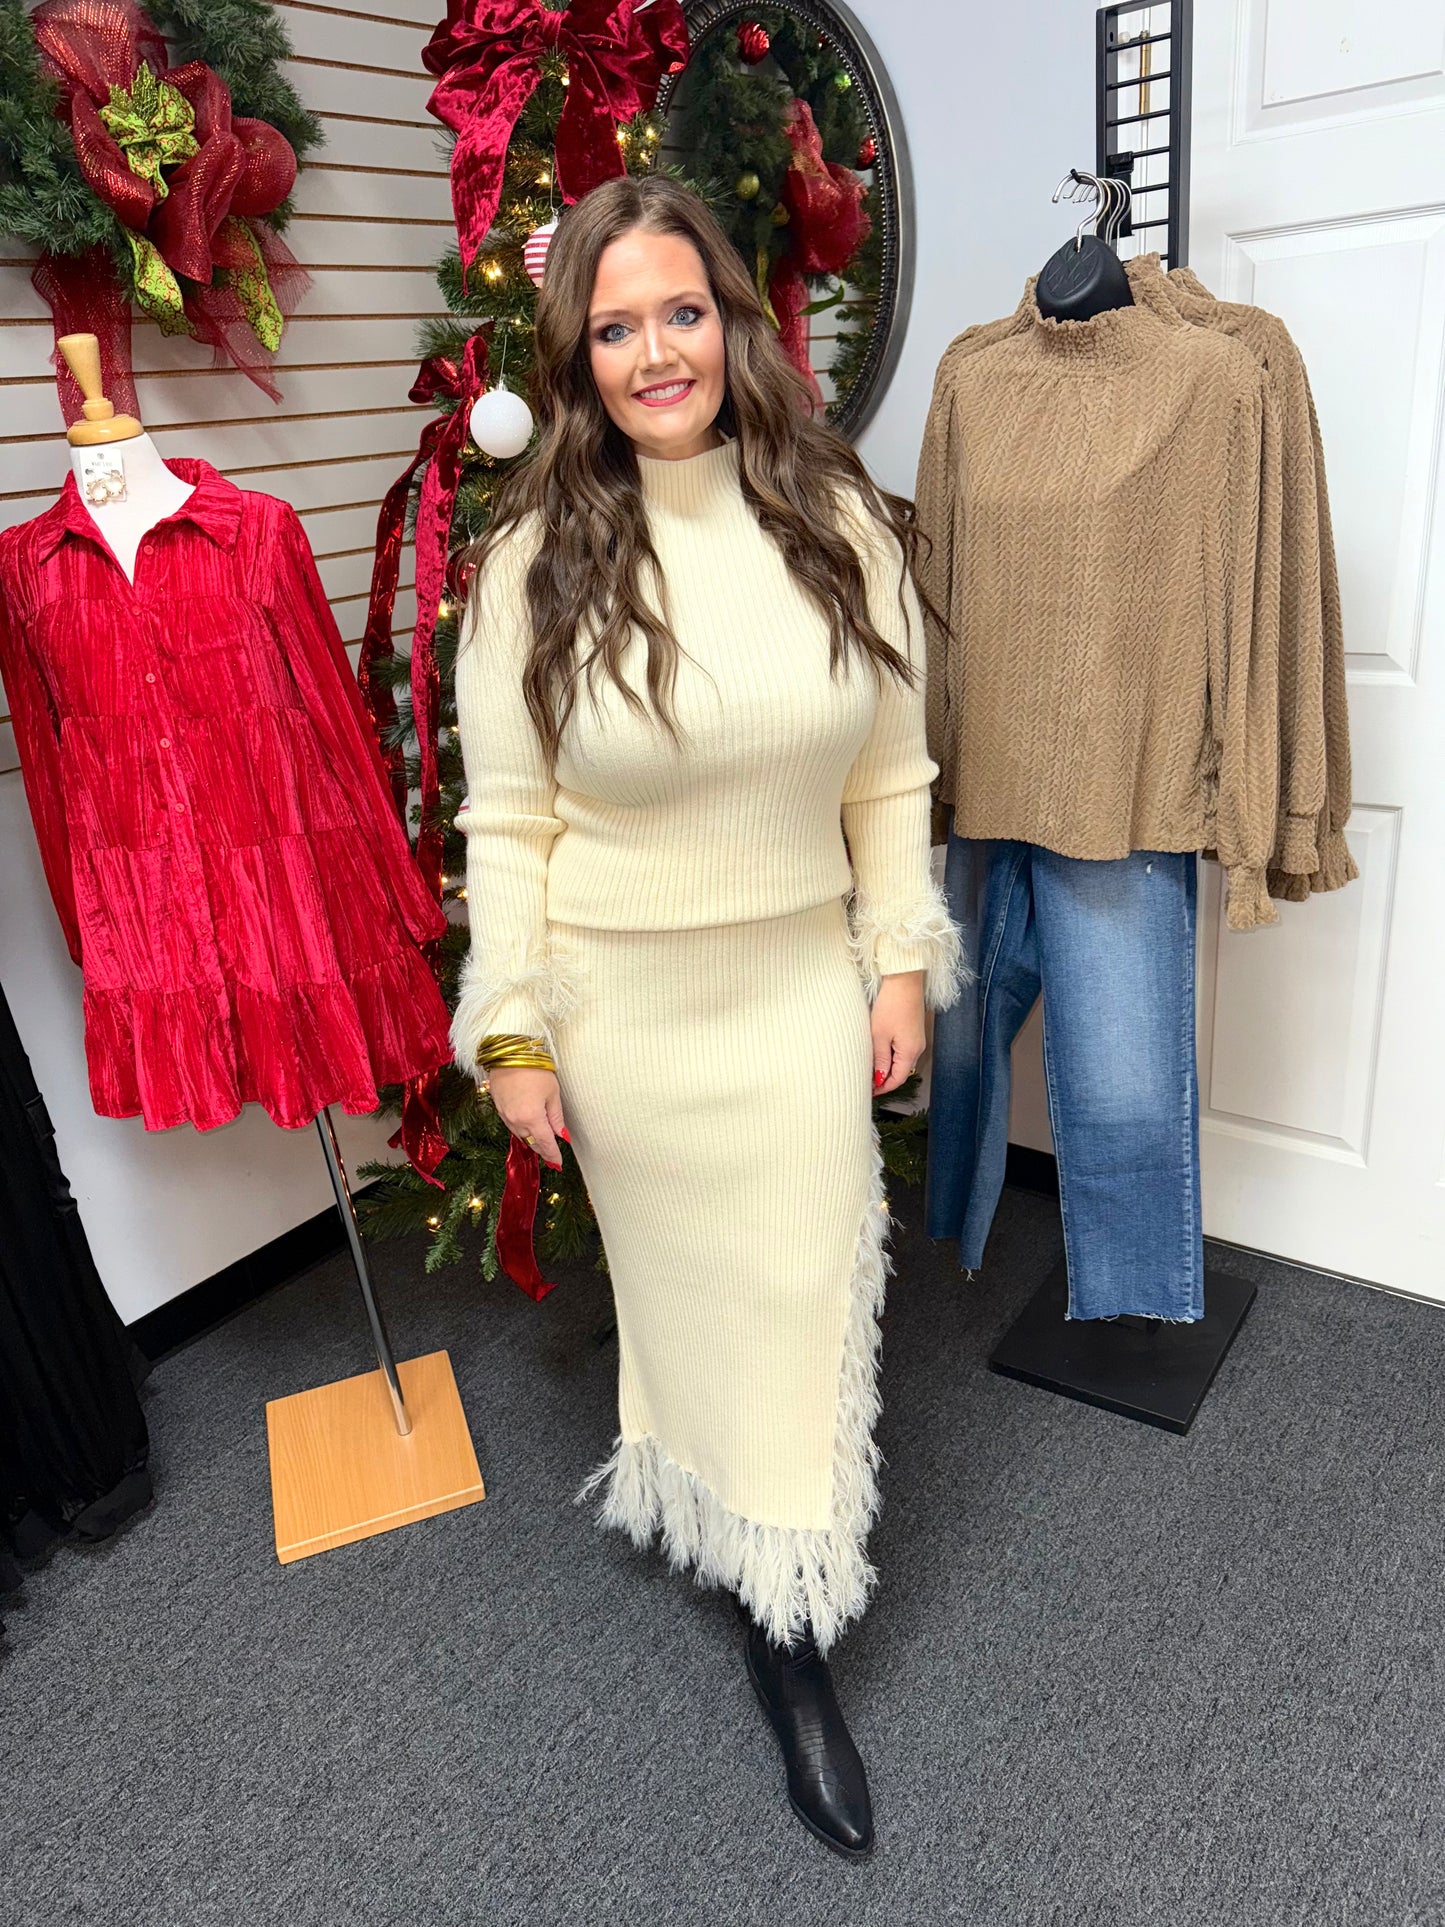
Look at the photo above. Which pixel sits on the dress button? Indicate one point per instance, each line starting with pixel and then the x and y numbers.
pixel 165 742
pixel 150 677
pixel 180 809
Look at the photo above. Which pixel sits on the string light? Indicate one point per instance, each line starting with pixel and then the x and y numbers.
pixel 554 1197
pixel 461 896
pixel 444 608
pixel 544 180
pixel 493 272
pixel 435 1223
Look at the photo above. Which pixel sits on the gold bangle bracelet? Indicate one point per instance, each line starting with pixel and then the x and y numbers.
pixel 507 1049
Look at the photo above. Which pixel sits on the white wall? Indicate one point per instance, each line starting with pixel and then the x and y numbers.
pixel 994 116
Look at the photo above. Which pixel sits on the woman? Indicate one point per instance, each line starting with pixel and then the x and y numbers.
pixel 691 665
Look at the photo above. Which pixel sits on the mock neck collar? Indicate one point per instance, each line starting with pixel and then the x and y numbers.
pixel 1169 295
pixel 693 485
pixel 1117 339
pixel 214 506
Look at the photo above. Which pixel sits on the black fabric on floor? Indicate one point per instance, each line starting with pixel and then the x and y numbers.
pixel 1110 1676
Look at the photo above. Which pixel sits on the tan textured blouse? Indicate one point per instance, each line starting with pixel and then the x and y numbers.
pixel 1103 502
pixel 1314 726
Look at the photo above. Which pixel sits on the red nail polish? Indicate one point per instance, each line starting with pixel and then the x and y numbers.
pixel 566 1136
pixel 877 1079
pixel 550 1165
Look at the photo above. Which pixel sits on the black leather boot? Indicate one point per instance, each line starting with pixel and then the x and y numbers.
pixel 827 1787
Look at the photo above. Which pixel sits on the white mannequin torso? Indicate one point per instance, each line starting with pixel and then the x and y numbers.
pixel 151 494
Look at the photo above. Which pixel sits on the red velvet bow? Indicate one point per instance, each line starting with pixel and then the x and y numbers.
pixel 442 440
pixel 488 54
pixel 827 226
pixel 243 168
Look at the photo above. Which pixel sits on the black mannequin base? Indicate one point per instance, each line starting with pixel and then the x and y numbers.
pixel 1141 1368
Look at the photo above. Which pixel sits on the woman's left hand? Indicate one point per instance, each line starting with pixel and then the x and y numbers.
pixel 898 1033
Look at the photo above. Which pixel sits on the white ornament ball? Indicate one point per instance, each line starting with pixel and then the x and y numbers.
pixel 534 251
pixel 501 423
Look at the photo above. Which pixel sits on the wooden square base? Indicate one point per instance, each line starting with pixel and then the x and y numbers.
pixel 340 1470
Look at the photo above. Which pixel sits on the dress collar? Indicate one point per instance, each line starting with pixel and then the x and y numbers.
pixel 214 505
pixel 693 485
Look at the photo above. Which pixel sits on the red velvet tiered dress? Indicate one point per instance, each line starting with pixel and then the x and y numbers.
pixel 213 816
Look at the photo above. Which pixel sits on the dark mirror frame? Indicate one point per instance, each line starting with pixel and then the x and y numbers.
pixel 892 176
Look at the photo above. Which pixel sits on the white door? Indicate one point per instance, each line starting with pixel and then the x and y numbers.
pixel 1319 193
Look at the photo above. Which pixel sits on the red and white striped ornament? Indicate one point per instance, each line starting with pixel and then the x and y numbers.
pixel 534 250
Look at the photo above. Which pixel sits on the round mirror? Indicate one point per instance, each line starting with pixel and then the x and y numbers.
pixel 784 119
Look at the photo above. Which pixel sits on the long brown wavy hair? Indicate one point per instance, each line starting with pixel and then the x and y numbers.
pixel 583 484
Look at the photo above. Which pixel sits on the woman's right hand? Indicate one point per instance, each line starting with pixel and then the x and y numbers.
pixel 529 1103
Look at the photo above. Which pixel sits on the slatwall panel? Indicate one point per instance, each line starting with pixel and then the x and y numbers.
pixel 373 215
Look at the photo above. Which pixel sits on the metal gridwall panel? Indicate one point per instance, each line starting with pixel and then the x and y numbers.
pixel 1142 121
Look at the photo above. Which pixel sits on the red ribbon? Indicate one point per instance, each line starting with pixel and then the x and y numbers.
pixel 488 55
pixel 827 226
pixel 440 450
pixel 515 1218
pixel 84 296
pixel 244 169
pixel 442 439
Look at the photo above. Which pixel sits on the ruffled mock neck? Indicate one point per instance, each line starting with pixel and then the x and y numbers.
pixel 1116 339
pixel 694 484
pixel 1176 293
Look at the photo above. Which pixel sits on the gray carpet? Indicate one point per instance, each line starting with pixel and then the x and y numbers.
pixel 1111 1676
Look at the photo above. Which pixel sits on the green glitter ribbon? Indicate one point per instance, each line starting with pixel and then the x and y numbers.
pixel 153 125
pixel 253 285
pixel 157 291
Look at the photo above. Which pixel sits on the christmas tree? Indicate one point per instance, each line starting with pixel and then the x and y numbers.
pixel 753 159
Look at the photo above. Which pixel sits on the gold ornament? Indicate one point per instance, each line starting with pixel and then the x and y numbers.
pixel 747 186
pixel 780 215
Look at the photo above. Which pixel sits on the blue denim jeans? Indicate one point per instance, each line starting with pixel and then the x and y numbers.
pixel 1110 945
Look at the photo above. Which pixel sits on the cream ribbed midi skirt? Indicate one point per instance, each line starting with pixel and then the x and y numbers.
pixel 717 1086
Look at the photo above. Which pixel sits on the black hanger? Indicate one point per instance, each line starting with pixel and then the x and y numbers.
pixel 1085 276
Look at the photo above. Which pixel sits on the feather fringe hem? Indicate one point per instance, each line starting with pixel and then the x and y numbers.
pixel 546 985
pixel 923 930
pixel 787 1576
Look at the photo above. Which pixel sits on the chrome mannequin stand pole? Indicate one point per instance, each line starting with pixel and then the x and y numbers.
pixel 344 1205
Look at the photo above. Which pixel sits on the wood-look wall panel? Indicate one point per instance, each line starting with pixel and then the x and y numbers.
pixel 328 88
pixel 383 243
pixel 30 409
pixel 360 41
pixel 310 341
pixel 420 13
pixel 347 577
pixel 353 194
pixel 355 139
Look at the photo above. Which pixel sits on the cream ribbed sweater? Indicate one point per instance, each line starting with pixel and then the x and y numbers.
pixel 1103 499
pixel 779 762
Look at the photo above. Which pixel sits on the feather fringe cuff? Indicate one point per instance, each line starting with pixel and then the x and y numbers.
pixel 923 930
pixel 546 989
pixel 787 1576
